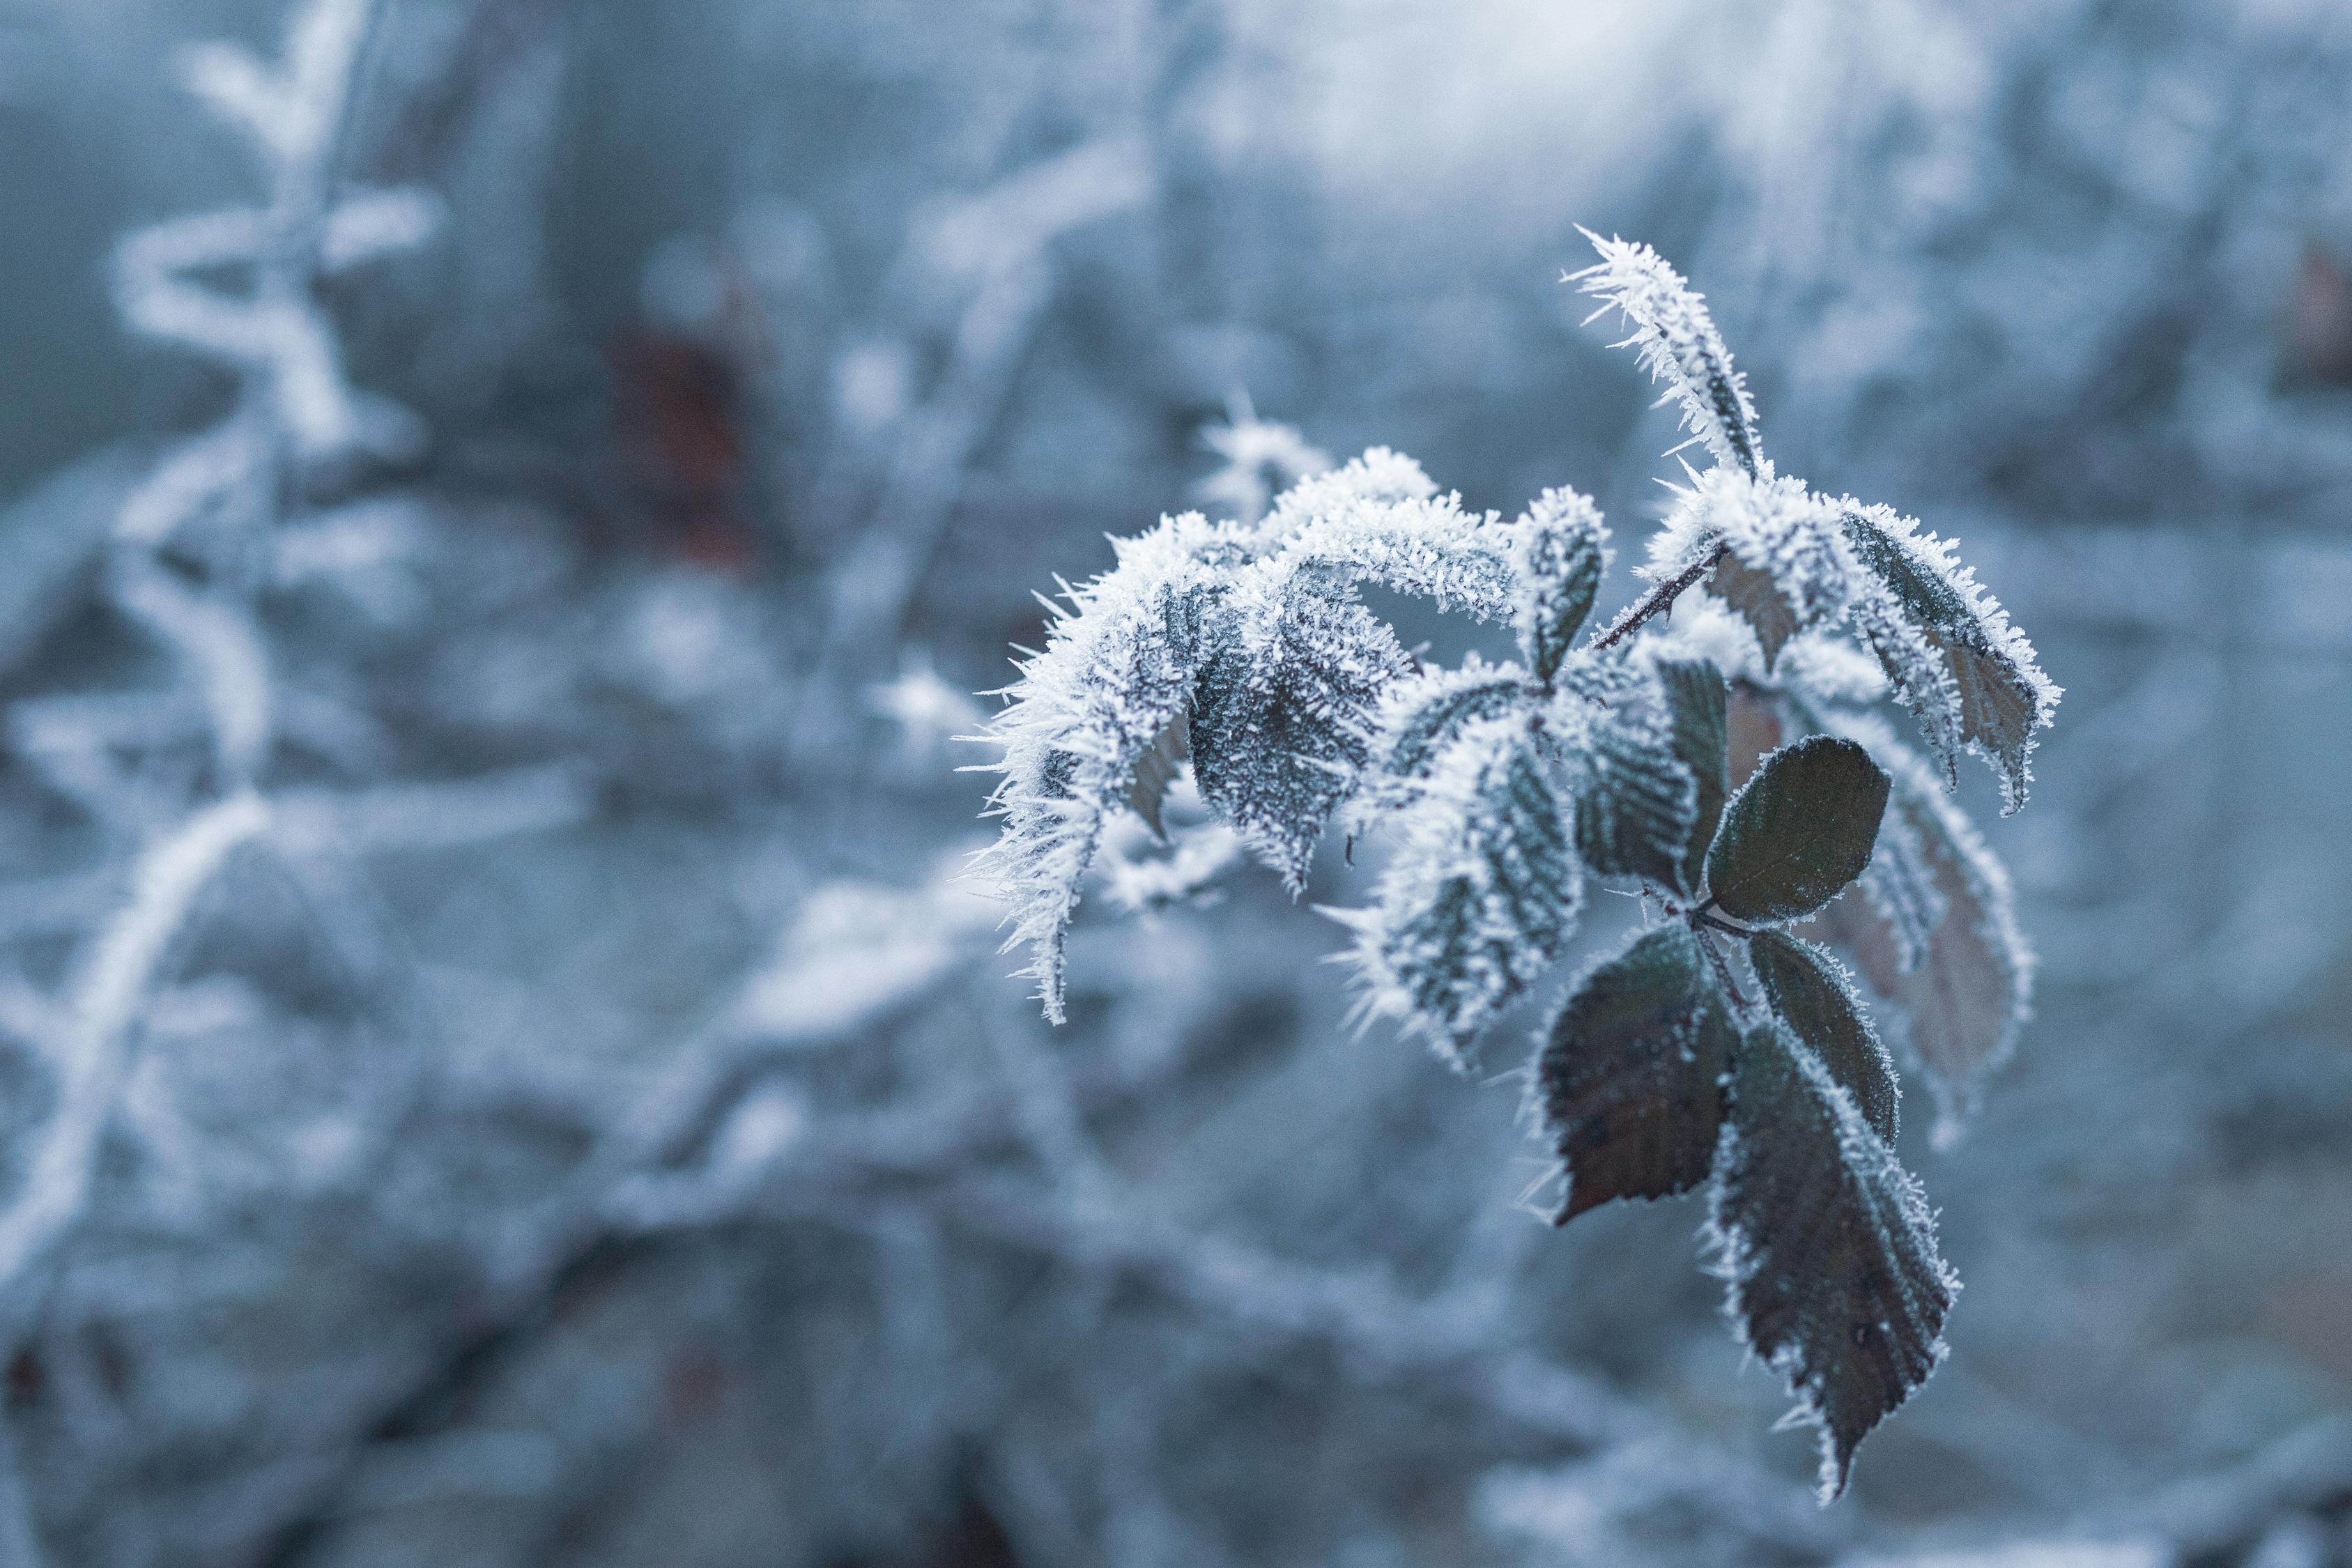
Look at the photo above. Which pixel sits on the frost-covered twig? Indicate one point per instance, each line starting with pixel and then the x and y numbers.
pixel 102 1010
pixel 1659 600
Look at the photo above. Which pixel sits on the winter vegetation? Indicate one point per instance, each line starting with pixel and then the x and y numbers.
pixel 1714 765
pixel 504 1056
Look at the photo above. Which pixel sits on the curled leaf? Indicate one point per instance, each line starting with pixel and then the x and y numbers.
pixel 1966 675
pixel 1278 715
pixel 1156 769
pixel 1117 668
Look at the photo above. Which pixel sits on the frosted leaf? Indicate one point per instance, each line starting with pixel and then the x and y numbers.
pixel 1782 571
pixel 1797 832
pixel 1900 885
pixel 1679 346
pixel 1753 729
pixel 1938 943
pixel 1562 551
pixel 1379 475
pixel 1695 707
pixel 1421 716
pixel 1251 639
pixel 1281 710
pixel 1377 518
pixel 1637 802
pixel 1811 993
pixel 1966 675
pixel 1828 1248
pixel 1629 1083
pixel 1480 898
pixel 1756 597
pixel 1119 667
pixel 1157 768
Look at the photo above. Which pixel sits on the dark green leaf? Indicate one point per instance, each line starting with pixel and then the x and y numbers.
pixel 1798 831
pixel 1632 1073
pixel 1808 989
pixel 1827 1247
pixel 1695 697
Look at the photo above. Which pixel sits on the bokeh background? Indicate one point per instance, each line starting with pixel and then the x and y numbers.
pixel 575 1114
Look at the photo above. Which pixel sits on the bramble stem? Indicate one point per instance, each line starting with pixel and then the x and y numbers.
pixel 1722 969
pixel 1658 600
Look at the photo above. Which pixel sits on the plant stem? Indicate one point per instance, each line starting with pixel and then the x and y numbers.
pixel 1658 600
pixel 1722 970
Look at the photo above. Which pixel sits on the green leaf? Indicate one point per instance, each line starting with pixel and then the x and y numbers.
pixel 1827 1247
pixel 1797 832
pixel 1695 697
pixel 1631 1077
pixel 1808 989
pixel 1562 551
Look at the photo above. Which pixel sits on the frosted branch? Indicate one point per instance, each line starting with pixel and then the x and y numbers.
pixel 115 979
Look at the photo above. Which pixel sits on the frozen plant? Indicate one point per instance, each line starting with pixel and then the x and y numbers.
pixel 1729 766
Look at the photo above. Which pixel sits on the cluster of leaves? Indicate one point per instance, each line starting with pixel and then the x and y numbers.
pixel 1726 762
